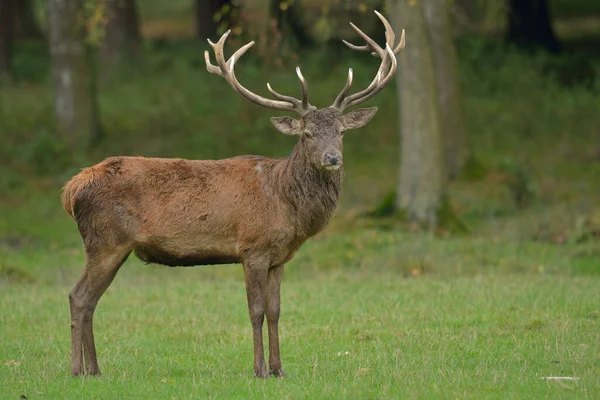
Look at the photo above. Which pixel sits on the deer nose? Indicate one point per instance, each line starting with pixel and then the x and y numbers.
pixel 332 158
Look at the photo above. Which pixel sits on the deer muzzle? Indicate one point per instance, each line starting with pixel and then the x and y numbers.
pixel 332 160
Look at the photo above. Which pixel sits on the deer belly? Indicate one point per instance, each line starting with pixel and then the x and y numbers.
pixel 174 254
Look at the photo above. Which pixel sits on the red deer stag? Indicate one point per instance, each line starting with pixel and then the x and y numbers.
pixel 251 210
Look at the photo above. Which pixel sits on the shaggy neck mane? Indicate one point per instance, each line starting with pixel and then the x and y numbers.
pixel 311 192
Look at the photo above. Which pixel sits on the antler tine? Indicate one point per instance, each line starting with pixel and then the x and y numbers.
pixel 386 69
pixel 401 44
pixel 227 71
pixel 338 100
pixel 355 47
pixel 218 49
pixel 371 44
pixel 363 92
pixel 238 54
pixel 305 104
pixel 390 36
pixel 282 97
pixel 382 82
pixel 380 79
pixel 209 67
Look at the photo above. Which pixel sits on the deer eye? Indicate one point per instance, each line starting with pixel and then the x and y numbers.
pixel 308 133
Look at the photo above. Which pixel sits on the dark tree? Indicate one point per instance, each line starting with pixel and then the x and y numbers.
pixel 75 106
pixel 24 23
pixel 530 25
pixel 206 24
pixel 6 36
pixel 445 63
pixel 422 178
pixel 122 38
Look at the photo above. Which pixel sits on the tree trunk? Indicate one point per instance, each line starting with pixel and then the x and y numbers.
pixel 452 119
pixel 122 39
pixel 6 37
pixel 206 25
pixel 422 179
pixel 72 74
pixel 25 24
pixel 529 25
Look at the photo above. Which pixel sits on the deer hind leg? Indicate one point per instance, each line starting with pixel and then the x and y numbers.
pixel 273 305
pixel 255 273
pixel 101 268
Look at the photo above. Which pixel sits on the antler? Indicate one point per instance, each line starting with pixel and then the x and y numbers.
pixel 225 69
pixel 386 69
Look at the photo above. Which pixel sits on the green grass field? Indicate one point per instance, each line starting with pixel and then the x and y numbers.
pixel 381 326
pixel 370 308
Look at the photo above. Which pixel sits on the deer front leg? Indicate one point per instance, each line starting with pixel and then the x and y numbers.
pixel 273 303
pixel 255 273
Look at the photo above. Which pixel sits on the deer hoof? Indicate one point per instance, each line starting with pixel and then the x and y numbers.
pixel 262 375
pixel 278 373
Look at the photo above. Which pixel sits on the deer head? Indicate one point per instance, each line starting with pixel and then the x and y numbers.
pixel 320 131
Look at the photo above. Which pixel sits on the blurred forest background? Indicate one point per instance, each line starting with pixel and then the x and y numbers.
pixel 465 254
pixel 493 129
pixel 510 146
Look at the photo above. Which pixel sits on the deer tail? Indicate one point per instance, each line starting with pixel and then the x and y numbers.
pixel 86 178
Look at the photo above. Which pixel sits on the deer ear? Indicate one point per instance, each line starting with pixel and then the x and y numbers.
pixel 286 125
pixel 359 118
